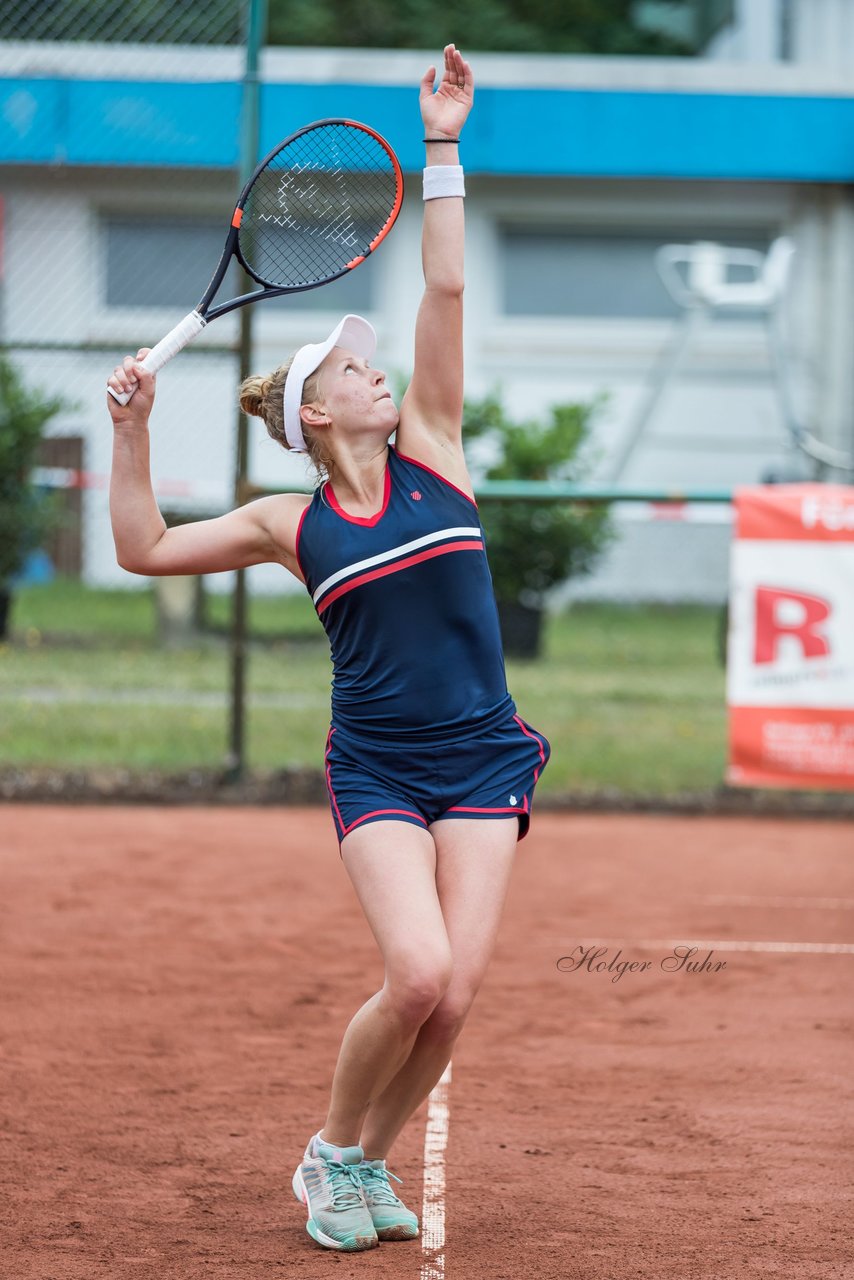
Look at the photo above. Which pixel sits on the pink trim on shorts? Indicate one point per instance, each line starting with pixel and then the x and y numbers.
pixel 461 812
pixel 465 808
pixel 329 778
pixel 381 812
pixel 374 813
pixel 529 734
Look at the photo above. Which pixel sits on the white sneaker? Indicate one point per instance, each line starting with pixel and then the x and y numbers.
pixel 390 1216
pixel 328 1184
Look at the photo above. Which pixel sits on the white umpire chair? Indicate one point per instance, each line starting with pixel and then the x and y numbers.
pixel 699 278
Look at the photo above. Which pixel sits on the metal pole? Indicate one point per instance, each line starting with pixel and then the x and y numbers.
pixel 665 367
pixel 236 757
pixel 559 491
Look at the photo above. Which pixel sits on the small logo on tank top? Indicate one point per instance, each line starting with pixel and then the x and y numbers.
pixel 416 495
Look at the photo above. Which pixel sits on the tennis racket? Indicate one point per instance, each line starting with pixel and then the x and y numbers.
pixel 314 208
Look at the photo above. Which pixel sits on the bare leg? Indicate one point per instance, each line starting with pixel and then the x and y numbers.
pixel 474 863
pixel 393 867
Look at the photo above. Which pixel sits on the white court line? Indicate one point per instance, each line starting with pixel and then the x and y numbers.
pixel 830 904
pixel 727 944
pixel 433 1201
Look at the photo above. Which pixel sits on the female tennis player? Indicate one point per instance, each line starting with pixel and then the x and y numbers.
pixel 430 770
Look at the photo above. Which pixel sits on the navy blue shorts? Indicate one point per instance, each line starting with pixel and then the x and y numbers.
pixel 489 775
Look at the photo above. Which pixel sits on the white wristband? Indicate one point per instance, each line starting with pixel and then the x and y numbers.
pixel 443 180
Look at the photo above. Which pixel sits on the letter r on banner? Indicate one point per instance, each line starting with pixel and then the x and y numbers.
pixel 805 616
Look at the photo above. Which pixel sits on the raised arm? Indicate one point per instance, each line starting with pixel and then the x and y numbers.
pixel 431 412
pixel 261 531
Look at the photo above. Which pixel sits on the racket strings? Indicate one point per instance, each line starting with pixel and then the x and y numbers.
pixel 319 203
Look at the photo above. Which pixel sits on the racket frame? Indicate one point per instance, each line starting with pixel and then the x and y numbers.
pixel 232 243
pixel 196 320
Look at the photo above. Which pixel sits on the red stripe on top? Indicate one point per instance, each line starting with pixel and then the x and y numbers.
pixel 367 520
pixel 297 538
pixel 384 570
pixel 444 479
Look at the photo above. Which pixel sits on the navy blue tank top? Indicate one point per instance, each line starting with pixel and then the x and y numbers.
pixel 407 601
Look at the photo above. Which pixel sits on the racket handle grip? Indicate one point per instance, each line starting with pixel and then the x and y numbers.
pixel 188 329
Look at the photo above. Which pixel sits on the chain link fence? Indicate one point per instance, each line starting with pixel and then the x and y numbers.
pixel 120 159
pixel 124 21
pixel 121 155
pixel 121 130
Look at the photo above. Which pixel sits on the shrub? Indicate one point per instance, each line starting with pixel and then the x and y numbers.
pixel 535 544
pixel 26 512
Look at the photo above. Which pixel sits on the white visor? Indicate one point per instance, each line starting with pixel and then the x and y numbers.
pixel 354 333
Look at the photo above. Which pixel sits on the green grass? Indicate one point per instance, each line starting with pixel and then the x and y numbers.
pixel 630 698
pixel 65 610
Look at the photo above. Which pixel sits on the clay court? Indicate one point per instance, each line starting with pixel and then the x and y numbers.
pixel 171 1014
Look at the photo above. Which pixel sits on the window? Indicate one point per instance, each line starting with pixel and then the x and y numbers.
pixel 590 273
pixel 168 262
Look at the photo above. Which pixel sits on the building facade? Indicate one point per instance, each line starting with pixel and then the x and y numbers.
pixel 119 173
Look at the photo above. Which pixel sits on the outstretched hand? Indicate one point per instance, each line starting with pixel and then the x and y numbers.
pixel 444 112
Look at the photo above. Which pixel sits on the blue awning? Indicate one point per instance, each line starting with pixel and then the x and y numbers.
pixel 514 132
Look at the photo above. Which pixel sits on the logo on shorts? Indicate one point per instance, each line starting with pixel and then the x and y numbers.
pixel 416 494
pixel 513 800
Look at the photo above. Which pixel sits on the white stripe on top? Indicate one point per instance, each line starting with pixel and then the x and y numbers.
pixel 439 536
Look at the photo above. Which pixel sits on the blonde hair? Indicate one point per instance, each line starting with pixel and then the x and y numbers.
pixel 263 397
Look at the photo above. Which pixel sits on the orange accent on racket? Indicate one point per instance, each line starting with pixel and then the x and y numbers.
pixel 398 175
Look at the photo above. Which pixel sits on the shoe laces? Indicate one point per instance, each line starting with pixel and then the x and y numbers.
pixel 378 1178
pixel 345 1184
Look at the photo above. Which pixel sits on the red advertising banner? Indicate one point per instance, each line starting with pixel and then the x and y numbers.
pixel 790 654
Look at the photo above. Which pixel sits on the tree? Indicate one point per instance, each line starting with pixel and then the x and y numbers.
pixel 26 512
pixel 534 545
pixel 510 26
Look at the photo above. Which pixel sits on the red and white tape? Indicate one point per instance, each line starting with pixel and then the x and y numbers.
pixel 72 478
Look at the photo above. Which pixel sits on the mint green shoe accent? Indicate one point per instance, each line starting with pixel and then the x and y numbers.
pixel 390 1216
pixel 330 1187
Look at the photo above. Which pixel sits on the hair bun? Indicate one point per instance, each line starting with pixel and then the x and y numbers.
pixel 252 392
